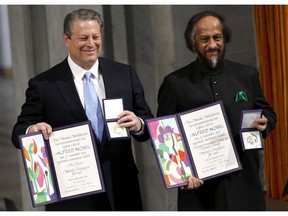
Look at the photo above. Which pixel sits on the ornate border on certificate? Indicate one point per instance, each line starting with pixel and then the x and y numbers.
pixel 64 167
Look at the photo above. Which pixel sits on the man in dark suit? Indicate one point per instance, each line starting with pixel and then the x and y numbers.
pixel 55 98
pixel 208 79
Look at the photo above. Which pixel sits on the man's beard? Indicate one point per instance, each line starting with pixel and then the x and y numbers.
pixel 215 62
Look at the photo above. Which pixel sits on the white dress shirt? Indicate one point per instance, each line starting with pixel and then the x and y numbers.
pixel 97 80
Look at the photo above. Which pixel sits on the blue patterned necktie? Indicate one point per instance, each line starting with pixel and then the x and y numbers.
pixel 92 106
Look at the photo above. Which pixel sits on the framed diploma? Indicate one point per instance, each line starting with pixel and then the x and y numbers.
pixel 209 141
pixel 64 167
pixel 197 142
pixel 251 138
pixel 112 108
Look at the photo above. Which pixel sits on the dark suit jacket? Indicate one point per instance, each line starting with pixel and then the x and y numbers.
pixel 193 86
pixel 52 98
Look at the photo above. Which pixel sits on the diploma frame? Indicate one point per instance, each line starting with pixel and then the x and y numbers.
pixel 67 174
pixel 251 138
pixel 112 107
pixel 195 154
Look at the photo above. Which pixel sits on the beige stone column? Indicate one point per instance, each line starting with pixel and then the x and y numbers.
pixel 150 48
pixel 23 69
pixel 5 49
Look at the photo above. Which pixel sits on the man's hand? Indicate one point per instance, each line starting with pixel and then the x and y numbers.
pixel 130 121
pixel 260 123
pixel 45 128
pixel 193 183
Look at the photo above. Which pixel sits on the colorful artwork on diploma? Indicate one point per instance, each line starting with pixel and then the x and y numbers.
pixel 170 151
pixel 196 142
pixel 38 169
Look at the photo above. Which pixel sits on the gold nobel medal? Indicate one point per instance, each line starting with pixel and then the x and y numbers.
pixel 117 129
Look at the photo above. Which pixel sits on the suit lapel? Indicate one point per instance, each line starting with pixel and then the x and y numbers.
pixel 110 80
pixel 67 89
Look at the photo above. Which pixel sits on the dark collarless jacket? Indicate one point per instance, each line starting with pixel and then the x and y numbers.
pixel 52 98
pixel 193 86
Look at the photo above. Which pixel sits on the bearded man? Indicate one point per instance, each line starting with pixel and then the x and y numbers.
pixel 211 78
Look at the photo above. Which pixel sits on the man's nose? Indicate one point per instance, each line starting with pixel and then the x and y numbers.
pixel 212 43
pixel 90 41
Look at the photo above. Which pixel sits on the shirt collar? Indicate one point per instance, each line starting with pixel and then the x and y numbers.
pixel 78 72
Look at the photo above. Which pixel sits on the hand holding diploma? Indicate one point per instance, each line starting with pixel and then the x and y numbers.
pixel 45 128
pixel 193 183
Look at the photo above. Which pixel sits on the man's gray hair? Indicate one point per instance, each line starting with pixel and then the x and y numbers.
pixel 81 14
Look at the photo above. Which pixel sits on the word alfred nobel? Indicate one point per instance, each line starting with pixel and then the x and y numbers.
pixel 70 143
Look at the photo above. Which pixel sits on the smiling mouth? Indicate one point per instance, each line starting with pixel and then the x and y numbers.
pixel 212 53
pixel 89 52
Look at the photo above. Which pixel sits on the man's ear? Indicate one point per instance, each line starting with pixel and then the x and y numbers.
pixel 193 47
pixel 66 40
